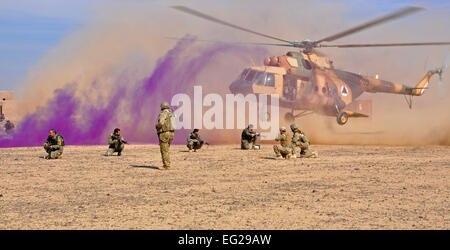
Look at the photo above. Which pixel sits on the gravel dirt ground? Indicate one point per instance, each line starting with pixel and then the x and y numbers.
pixel 222 187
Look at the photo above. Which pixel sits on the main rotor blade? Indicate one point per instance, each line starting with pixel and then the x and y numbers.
pixel 229 42
pixel 381 45
pixel 213 19
pixel 400 13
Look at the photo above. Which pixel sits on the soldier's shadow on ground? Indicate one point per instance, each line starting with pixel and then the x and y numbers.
pixel 149 167
pixel 269 158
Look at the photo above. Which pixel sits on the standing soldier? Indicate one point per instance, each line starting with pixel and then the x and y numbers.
pixel 165 127
pixel 300 143
pixel 284 150
pixel 194 141
pixel 54 145
pixel 249 135
pixel 116 143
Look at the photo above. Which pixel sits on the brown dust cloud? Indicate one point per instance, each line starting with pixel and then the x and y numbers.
pixel 126 41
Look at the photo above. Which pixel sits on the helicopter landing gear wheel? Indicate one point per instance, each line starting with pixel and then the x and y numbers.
pixel 289 117
pixel 342 118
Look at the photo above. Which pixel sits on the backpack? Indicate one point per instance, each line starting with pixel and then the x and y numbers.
pixel 170 124
pixel 62 140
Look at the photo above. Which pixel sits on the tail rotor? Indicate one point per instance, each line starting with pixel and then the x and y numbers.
pixel 442 88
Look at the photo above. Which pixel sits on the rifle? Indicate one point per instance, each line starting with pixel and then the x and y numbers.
pixel 254 133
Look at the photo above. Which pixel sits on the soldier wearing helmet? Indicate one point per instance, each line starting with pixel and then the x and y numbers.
pixel 54 145
pixel 165 128
pixel 116 143
pixel 300 143
pixel 249 136
pixel 284 150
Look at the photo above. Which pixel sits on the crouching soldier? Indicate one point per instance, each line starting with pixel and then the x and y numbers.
pixel 249 136
pixel 301 143
pixel 54 145
pixel 194 141
pixel 116 143
pixel 284 150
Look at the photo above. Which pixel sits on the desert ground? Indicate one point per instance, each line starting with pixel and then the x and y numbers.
pixel 222 187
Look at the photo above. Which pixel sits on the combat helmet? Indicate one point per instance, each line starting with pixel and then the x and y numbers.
pixel 165 105
pixel 294 127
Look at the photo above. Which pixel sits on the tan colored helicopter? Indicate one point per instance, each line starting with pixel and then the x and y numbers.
pixel 308 82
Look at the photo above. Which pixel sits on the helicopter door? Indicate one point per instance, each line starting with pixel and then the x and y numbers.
pixel 290 88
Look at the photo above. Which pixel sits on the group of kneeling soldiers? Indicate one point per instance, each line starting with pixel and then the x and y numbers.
pixel 54 145
pixel 298 146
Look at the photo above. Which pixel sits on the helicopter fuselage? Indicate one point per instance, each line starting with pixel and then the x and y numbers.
pixel 310 82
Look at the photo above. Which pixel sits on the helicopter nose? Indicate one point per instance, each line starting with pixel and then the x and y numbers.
pixel 233 87
pixel 240 87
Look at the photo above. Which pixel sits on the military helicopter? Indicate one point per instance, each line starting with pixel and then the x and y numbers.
pixel 307 81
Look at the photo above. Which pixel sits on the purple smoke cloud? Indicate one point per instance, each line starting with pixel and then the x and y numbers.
pixel 176 72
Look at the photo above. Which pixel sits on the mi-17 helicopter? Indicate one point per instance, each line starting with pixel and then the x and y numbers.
pixel 307 81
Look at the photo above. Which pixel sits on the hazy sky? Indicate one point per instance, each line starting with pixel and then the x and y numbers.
pixel 30 28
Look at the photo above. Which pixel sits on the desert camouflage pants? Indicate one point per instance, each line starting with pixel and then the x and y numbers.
pixel 304 152
pixel 52 153
pixel 194 145
pixel 116 147
pixel 245 144
pixel 282 151
pixel 165 139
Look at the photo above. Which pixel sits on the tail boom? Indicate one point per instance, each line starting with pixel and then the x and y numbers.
pixel 376 85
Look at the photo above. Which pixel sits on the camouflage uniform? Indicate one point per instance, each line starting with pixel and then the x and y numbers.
pixel 284 150
pixel 191 144
pixel 247 138
pixel 166 133
pixel 54 146
pixel 300 143
pixel 115 146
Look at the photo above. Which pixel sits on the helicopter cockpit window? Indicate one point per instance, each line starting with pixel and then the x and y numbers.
pixel 250 76
pixel 306 64
pixel 259 78
pixel 270 80
pixel 244 73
